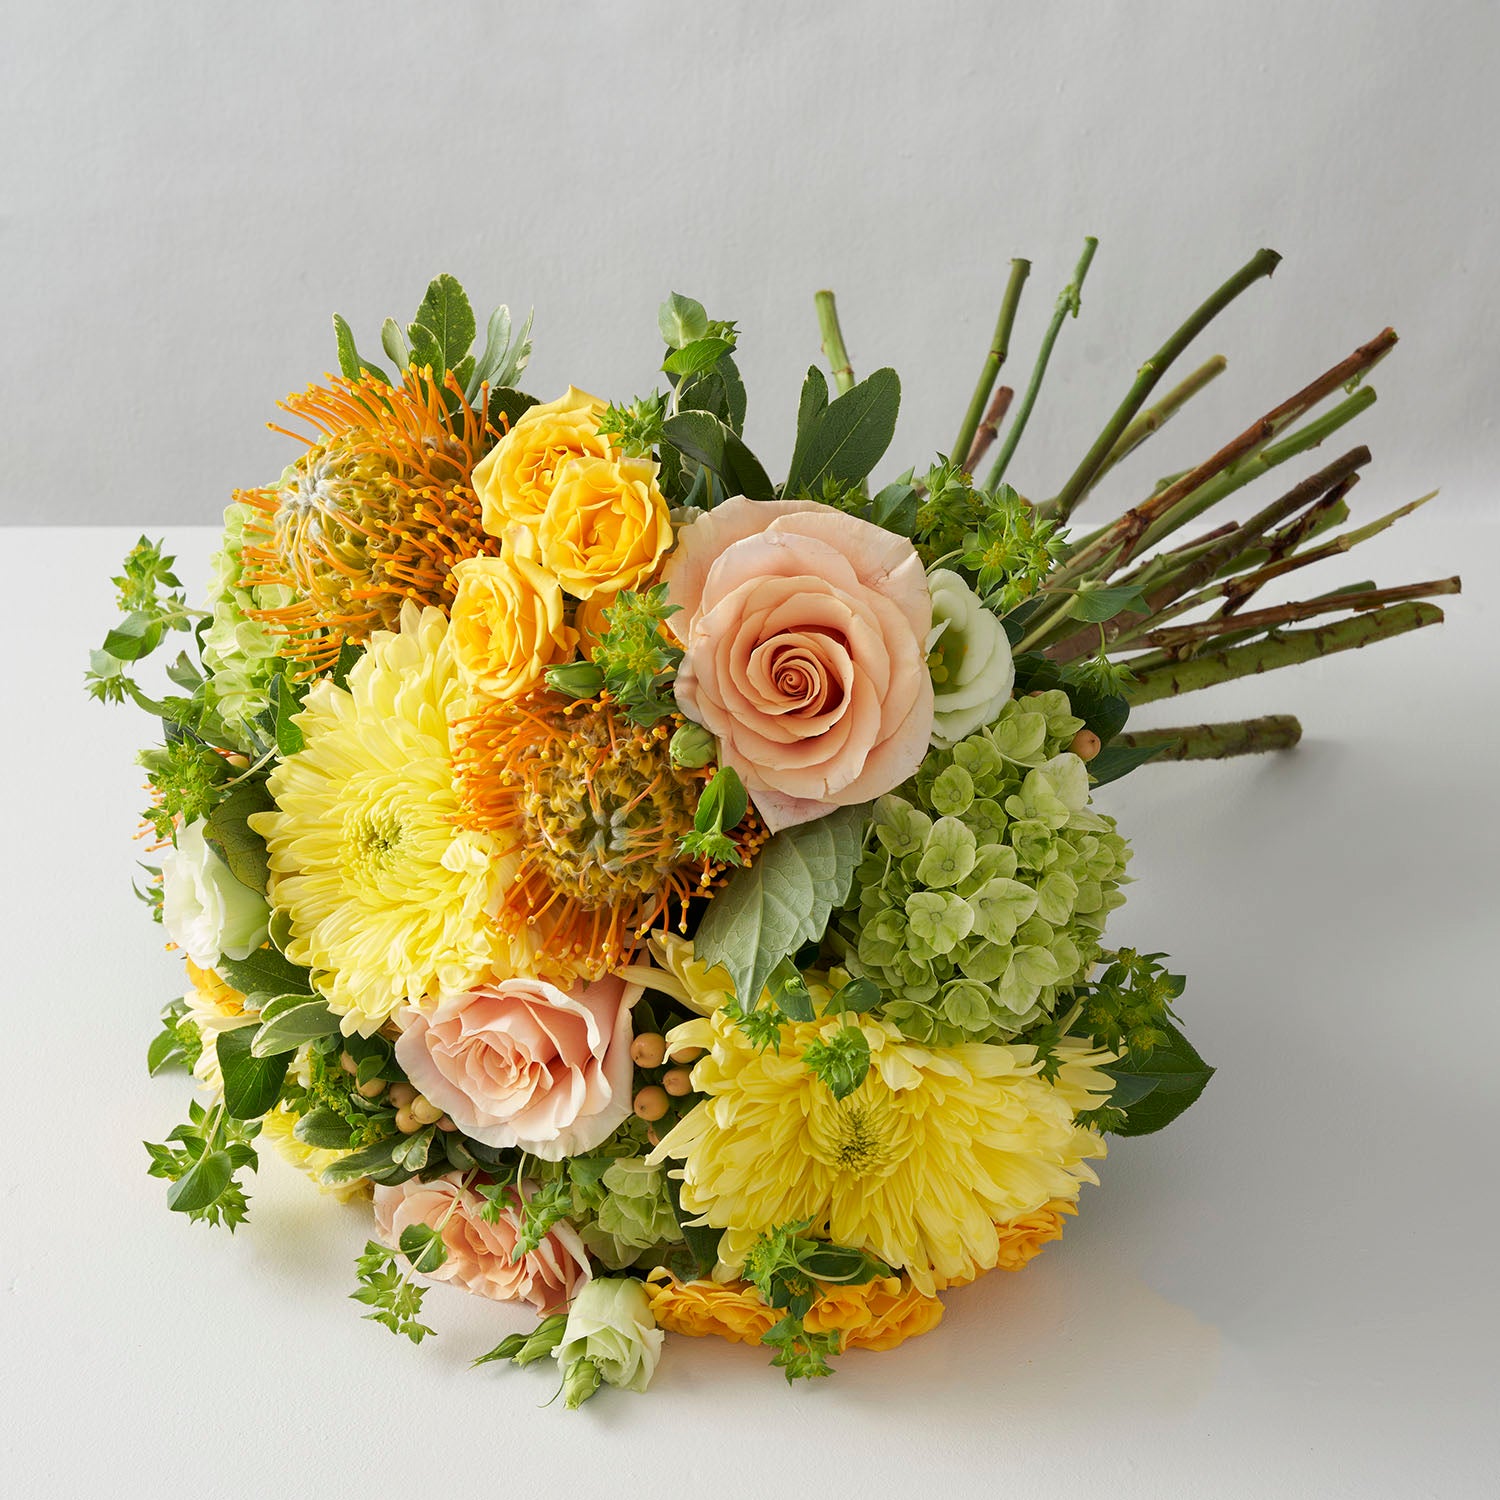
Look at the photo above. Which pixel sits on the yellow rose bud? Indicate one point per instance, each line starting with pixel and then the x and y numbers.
pixel 605 527
pixel 507 620
pixel 514 480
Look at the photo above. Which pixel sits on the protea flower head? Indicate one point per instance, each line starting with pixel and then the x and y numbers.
pixel 376 511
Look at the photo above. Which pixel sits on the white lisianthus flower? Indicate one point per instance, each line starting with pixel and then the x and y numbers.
pixel 969 657
pixel 206 911
pixel 611 1335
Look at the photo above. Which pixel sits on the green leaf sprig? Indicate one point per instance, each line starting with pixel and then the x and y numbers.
pixel 201 1160
pixel 722 806
pixel 786 1266
pixel 635 658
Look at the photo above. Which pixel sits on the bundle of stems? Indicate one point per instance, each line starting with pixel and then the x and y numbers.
pixel 1184 619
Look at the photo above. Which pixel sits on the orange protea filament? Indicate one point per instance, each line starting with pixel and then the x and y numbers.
pixel 593 808
pixel 377 510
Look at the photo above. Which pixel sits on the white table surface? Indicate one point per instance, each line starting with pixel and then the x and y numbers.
pixel 1291 1292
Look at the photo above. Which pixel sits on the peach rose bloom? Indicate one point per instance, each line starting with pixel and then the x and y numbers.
pixel 507 620
pixel 521 1063
pixel 605 527
pixel 514 479
pixel 804 634
pixel 479 1254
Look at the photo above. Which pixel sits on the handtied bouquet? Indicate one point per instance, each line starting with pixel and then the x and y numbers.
pixel 675 900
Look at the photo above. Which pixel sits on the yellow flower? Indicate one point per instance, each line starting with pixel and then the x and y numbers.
pixel 514 480
pixel 507 620
pixel 278 1127
pixel 213 1005
pixel 918 1165
pixel 879 1314
pixel 388 899
pixel 606 526
pixel 1025 1237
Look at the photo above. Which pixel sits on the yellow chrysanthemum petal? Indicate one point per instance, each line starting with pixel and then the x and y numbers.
pixel 918 1165
pixel 389 900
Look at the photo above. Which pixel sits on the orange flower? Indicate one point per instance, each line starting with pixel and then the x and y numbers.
pixel 877 1315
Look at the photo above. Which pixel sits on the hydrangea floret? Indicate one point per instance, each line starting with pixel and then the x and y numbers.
pixel 986 881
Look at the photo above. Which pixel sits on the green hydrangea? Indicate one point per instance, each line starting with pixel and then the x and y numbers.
pixel 987 880
pixel 239 654
pixel 631 1212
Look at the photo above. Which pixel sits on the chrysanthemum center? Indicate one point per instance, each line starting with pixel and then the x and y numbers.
pixel 372 841
pixel 856 1137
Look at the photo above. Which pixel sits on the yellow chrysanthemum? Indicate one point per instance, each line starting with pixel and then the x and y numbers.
pixel 878 1314
pixel 389 900
pixel 918 1165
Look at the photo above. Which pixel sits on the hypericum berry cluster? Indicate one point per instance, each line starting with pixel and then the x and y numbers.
pixel 987 881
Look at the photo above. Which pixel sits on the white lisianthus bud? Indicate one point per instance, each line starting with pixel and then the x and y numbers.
pixel 206 911
pixel 969 657
pixel 610 1328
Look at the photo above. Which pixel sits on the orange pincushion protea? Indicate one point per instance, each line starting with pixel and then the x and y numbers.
pixel 376 512
pixel 592 808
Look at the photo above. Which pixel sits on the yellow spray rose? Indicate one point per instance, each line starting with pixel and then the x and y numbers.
pixel 507 620
pixel 605 527
pixel 514 480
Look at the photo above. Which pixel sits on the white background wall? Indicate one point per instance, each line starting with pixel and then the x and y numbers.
pixel 189 190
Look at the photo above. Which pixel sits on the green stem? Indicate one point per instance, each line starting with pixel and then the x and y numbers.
pixel 1262 263
pixel 1285 650
pixel 1068 302
pixel 1251 621
pixel 1218 741
pixel 1156 417
pixel 833 342
pixel 999 346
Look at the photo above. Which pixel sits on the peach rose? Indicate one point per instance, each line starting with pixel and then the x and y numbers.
pixel 479 1254
pixel 804 634
pixel 522 1063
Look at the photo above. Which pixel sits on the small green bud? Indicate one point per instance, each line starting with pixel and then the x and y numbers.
pixel 693 746
pixel 580 1381
pixel 578 679
pixel 538 1344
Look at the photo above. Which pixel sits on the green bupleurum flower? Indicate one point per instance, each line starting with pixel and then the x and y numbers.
pixel 987 879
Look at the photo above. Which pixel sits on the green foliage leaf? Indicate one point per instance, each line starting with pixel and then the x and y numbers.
pixel 701 354
pixel 506 405
pixel 202 1184
pixel 702 1240
pixel 289 1028
pixel 285 702
pixel 423 1246
pixel 847 439
pixel 895 508
pixel 1115 761
pixel 443 328
pixel 682 321
pixel 252 1084
pixel 1096 605
pixel 811 405
pixel 137 635
pixel 374 1160
pixel 351 365
pixel 770 909
pixel 789 992
pixel 703 437
pixel 1177 1074
pixel 266 972
pixel 243 849
pixel 324 1128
